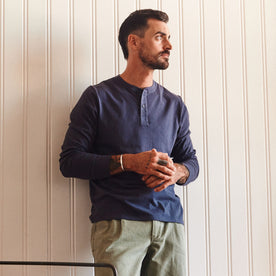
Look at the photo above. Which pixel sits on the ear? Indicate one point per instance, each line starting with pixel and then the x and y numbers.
pixel 133 40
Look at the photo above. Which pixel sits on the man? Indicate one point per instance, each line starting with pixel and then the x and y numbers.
pixel 130 137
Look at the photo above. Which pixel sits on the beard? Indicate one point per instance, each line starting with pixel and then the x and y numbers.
pixel 154 62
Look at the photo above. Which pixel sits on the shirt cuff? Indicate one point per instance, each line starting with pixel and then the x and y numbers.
pixel 100 167
pixel 193 173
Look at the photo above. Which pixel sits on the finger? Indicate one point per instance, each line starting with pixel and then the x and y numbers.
pixel 162 175
pixel 146 176
pixel 163 186
pixel 164 156
pixel 156 157
pixel 153 181
pixel 166 163
pixel 154 153
pixel 165 170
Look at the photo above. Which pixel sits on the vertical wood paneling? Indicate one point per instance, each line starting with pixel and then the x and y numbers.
pixel 61 244
pixel 225 137
pixel 105 43
pixel 205 138
pixel 267 136
pixel 214 110
pixel 246 136
pixel 223 66
pixel 257 138
pixel 93 42
pixel 236 126
pixel 48 94
pixel 71 61
pixel 116 44
pixel 181 53
pixel 270 39
pixel 148 4
pixel 83 76
pixel 36 136
pixel 12 136
pixel 191 51
pixel 1 127
pixel 24 129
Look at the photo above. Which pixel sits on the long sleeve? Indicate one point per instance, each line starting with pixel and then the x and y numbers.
pixel 183 151
pixel 77 158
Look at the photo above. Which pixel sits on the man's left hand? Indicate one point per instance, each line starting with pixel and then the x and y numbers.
pixel 181 175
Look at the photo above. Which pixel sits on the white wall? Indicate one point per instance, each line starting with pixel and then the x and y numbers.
pixel 223 64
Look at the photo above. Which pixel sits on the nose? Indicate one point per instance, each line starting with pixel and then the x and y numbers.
pixel 168 45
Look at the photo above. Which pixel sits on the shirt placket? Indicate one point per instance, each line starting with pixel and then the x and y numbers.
pixel 144 109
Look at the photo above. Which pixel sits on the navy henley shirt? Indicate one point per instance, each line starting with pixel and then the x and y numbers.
pixel 115 117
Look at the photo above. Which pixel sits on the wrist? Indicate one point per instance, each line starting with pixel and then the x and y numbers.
pixel 127 161
pixel 121 162
pixel 183 173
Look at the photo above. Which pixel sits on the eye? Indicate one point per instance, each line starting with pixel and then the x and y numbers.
pixel 159 37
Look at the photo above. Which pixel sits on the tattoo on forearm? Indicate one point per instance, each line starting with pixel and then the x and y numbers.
pixel 185 171
pixel 114 164
pixel 182 180
pixel 147 165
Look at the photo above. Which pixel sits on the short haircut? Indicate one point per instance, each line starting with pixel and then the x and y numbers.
pixel 137 23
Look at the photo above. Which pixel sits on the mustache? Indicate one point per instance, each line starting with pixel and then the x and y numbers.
pixel 165 52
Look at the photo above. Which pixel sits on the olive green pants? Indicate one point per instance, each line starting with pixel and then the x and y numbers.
pixel 139 248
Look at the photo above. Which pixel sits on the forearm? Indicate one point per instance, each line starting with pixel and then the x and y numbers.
pixel 193 168
pixel 182 173
pixel 84 165
pixel 79 164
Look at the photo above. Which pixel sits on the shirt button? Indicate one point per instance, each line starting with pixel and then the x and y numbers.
pixel 143 106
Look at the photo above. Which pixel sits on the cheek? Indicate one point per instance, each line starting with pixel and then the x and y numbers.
pixel 154 49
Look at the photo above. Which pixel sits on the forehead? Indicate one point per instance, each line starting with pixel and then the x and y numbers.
pixel 155 26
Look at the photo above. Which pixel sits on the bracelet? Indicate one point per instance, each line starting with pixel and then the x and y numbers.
pixel 121 162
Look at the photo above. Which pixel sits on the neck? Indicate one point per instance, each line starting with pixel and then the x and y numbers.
pixel 139 76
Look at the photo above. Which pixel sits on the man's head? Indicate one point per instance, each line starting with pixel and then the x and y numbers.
pixel 137 23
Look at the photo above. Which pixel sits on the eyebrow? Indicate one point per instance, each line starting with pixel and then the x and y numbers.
pixel 163 34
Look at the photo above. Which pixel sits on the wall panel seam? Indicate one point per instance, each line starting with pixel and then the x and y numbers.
pixel 205 138
pixel 138 4
pixel 1 127
pixel 182 88
pixel 267 137
pixel 72 181
pixel 93 41
pixel 160 72
pixel 48 92
pixel 115 30
pixel 181 49
pixel 24 129
pixel 246 139
pixel 226 137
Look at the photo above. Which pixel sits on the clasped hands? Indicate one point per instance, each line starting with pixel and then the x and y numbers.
pixel 157 168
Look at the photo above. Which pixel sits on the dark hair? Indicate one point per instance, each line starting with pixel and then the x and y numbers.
pixel 136 23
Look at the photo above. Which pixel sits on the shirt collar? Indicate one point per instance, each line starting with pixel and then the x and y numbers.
pixel 134 88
